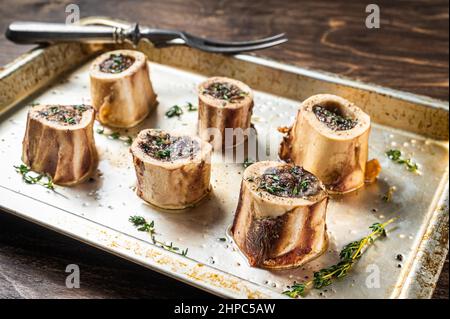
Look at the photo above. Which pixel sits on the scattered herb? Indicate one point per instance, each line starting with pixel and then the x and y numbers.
pixel 389 194
pixel 349 256
pixel 30 177
pixel 304 184
pixel 248 162
pixel 115 136
pixel 70 120
pixel 174 111
pixel 191 107
pixel 80 107
pixel 222 239
pixel 142 225
pixel 163 153
pixel 396 156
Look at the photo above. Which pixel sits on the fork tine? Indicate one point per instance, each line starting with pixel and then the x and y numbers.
pixel 238 49
pixel 242 43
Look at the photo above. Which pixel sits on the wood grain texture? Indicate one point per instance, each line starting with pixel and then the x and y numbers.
pixel 409 52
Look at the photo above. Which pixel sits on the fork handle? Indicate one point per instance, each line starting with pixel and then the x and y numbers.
pixel 40 32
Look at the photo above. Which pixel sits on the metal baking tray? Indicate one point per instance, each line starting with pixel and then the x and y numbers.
pixel 97 212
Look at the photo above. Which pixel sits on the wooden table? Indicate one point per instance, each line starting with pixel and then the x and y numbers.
pixel 409 52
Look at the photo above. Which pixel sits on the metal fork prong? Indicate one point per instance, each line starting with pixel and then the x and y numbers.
pixel 240 43
pixel 230 50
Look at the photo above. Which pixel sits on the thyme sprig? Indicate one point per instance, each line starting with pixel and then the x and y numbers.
pixel 142 225
pixel 115 136
pixel 396 156
pixel 177 110
pixel 29 177
pixel 348 256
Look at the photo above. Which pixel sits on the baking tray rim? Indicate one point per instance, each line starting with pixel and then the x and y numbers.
pixel 418 273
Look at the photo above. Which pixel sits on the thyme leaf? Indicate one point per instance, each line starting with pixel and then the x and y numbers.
pixel 248 162
pixel 387 197
pixel 32 178
pixel 348 256
pixel 141 224
pixel 115 136
pixel 396 156
pixel 190 107
pixel 174 111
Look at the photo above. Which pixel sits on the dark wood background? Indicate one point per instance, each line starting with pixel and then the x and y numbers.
pixel 409 52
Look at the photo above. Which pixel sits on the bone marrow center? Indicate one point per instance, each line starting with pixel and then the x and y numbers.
pixel 334 118
pixel 288 181
pixel 225 91
pixel 164 147
pixel 64 114
pixel 116 63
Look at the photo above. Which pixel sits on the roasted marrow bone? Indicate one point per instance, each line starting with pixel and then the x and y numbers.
pixel 280 218
pixel 225 110
pixel 173 171
pixel 330 138
pixel 59 141
pixel 121 90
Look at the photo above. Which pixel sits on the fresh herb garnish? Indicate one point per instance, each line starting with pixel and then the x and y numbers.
pixel 396 156
pixel 248 162
pixel 80 107
pixel 389 194
pixel 142 225
pixel 165 153
pixel 191 107
pixel 70 120
pixel 174 111
pixel 115 136
pixel 349 256
pixel 304 184
pixel 33 178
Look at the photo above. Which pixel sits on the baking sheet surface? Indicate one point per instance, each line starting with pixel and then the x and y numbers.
pixel 109 199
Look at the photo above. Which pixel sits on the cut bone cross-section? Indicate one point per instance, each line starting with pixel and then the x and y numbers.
pixel 330 138
pixel 121 90
pixel 59 141
pixel 225 111
pixel 280 221
pixel 173 171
